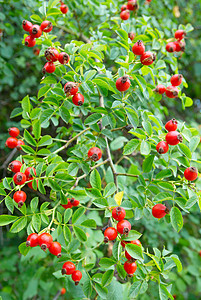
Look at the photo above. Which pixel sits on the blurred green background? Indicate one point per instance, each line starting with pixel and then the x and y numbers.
pixel 20 74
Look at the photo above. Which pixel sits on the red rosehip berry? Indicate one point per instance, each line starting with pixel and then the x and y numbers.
pixel 160 89
pixel 138 48
pixel 29 41
pixel 124 7
pixel 64 9
pixel 71 88
pixel 176 79
pixel 182 45
pixel 200 253
pixel 178 46
pixel 46 26
pixel 135 242
pixel 30 184
pixel 19 144
pixel 32 240
pixel 28 172
pixel 179 34
pixel 49 67
pixel 171 125
pixel 74 202
pixel 45 240
pixel 13 131
pixel 131 35
pixel 36 51
pixel 35 31
pixel 171 91
pixel 11 142
pixel 19 178
pixel 118 213
pixel 27 26
pixel 174 296
pixel 171 47
pixel 123 227
pixel 94 153
pixel 191 173
pixel 130 268
pixel 162 147
pixel 76 276
pixel 51 54
pixel 110 234
pixel 20 197
pixel 68 205
pixel 63 291
pixel 78 99
pixel 173 138
pixel 124 15
pixel 123 83
pixel 63 58
pixel 132 5
pixel 159 211
pixel 147 58
pixel 15 166
pixel 68 268
pixel 55 249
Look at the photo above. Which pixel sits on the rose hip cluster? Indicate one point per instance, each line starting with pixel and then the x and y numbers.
pixel 171 91
pixel 70 269
pixel 123 227
pixel 52 55
pixel 12 142
pixel 177 45
pixel 70 203
pixel 71 89
pixel 126 8
pixel 63 8
pixel 146 57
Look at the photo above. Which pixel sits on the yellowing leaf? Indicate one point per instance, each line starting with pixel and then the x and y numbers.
pixel 118 197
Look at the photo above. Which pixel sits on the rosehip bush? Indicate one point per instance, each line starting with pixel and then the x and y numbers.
pixel 96 157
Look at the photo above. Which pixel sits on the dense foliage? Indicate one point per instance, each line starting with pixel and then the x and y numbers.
pixel 126 127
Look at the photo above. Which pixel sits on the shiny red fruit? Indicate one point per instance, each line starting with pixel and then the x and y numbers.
pixel 171 125
pixel 19 144
pixel 63 58
pixel 76 276
pixel 13 131
pixel 159 211
pixel 28 172
pixel 19 178
pixel 178 46
pixel 11 142
pixel 124 7
pixel 27 26
pixel 110 234
pixel 68 268
pixel 32 240
pixel 30 183
pixel 138 48
pixel 123 227
pixel 49 67
pixel 35 31
pixel 64 9
pixel 160 89
pixel 132 5
pixel 179 34
pixel 46 26
pixel 131 35
pixel 68 205
pixel 191 173
pixel 162 147
pixel 15 166
pixel 173 138
pixel 71 88
pixel 130 267
pixel 176 79
pixel 51 54
pixel 20 197
pixel 171 47
pixel 123 83
pixel 147 58
pixel 118 213
pixel 171 91
pixel 124 15
pixel 55 249
pixel 45 240
pixel 63 291
pixel 94 153
pixel 74 202
pixel 78 99
pixel 29 41
pixel 36 51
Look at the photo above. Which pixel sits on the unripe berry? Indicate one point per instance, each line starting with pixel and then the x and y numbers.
pixel 76 276
pixel 138 48
pixel 27 26
pixel 63 58
pixel 68 205
pixel 19 144
pixel 49 67
pixel 46 26
pixel 63 291
pixel 28 172
pixel 132 5
pixel 13 131
pixel 11 142
pixel 171 125
pixel 131 35
pixel 78 99
pixel 71 88
pixel 118 213
pixel 124 7
pixel 123 83
pixel 51 54
pixel 110 234
pixel 173 138
pixel 94 153
pixel 124 15
pixel 123 227
pixel 74 202
pixel 171 91
pixel 147 58
pixel 159 211
pixel 32 240
pixel 179 34
pixel 19 178
pixel 55 249
pixel 45 240
pixel 68 268
pixel 20 197
pixel 160 89
pixel 191 173
pixel 35 31
pixel 176 79
pixel 171 47
pixel 162 147
pixel 15 166
pixel 130 268
pixel 64 9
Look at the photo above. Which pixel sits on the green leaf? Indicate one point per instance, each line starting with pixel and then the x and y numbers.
pixel 133 235
pixel 164 173
pixel 28 149
pixel 80 234
pixel 36 129
pixel 24 249
pixel 95 179
pixel 7 219
pixel 90 223
pixel 9 203
pixel 109 189
pixel 77 214
pixel 135 251
pixel 43 91
pixel 54 185
pixel 29 139
pixel 132 116
pixel 67 233
pixel 93 119
pixel 145 147
pixel 194 142
pixel 18 225
pixel 36 222
pixel 163 293
pixel 147 127
pixel 135 289
pixel 26 104
pixel 45 141
pixel 185 150
pixel 176 218
pixel 107 277
pixel 123 34
pixel 64 114
pixel 147 164
pixel 87 287
pixel 177 262
pixel 107 262
pixel 67 215
pixel 36 18
pixel 89 74
pixel 34 204
pixel 131 146
pixel 102 291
